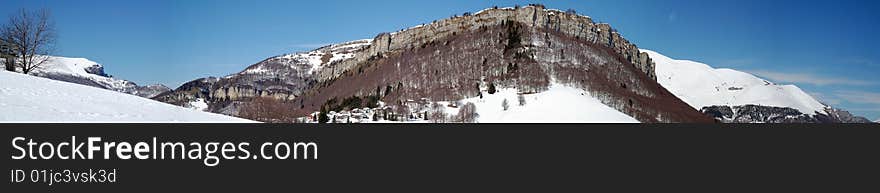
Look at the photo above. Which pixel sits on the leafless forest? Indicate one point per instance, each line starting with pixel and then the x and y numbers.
pixel 506 56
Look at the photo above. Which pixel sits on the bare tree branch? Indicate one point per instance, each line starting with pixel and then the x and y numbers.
pixel 33 35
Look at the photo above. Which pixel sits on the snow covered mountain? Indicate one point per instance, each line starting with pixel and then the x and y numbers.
pixel 700 85
pixel 87 72
pixel 283 77
pixel 34 99
pixel 557 60
pixel 735 96
pixel 306 63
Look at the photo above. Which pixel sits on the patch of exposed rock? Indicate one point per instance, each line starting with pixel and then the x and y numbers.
pixel 767 114
pixel 574 25
pixel 282 77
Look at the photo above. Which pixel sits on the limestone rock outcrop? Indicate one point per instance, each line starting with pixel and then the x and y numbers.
pixel 578 26
pixel 768 114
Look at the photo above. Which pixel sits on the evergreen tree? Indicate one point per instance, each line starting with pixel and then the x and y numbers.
pixel 322 116
pixel 378 92
pixel 479 92
pixel 492 88
pixel 387 90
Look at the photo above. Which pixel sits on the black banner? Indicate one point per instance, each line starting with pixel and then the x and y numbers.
pixel 442 157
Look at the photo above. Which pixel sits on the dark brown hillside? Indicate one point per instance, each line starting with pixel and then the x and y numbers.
pixel 509 55
pixel 527 48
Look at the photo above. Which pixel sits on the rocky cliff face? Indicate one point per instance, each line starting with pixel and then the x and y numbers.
pixel 573 25
pixel 282 77
pixel 190 91
pixel 841 116
pixel 766 114
pixel 150 91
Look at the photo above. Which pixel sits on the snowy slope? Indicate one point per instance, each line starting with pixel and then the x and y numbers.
pixel 315 59
pixel 87 72
pixel 700 85
pixel 559 104
pixel 79 67
pixel 34 99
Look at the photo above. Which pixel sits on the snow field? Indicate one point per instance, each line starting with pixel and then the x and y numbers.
pixel 25 98
pixel 700 85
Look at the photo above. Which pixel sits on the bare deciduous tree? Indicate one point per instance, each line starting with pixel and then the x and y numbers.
pixel 521 99
pixel 467 113
pixel 33 35
pixel 268 109
pixel 401 113
pixel 7 55
pixel 438 113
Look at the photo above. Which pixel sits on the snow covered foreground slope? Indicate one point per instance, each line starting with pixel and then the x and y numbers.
pixel 559 104
pixel 26 98
pixel 700 86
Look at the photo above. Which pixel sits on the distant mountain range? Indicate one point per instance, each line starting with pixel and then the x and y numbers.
pixel 523 64
pixel 738 97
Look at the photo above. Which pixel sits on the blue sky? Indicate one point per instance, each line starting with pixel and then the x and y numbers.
pixel 826 47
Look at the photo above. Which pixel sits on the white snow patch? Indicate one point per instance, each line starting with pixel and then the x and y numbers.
pixel 199 104
pixel 64 65
pixel 36 99
pixel 484 10
pixel 700 85
pixel 559 104
pixel 492 8
pixel 341 51
pixel 77 67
